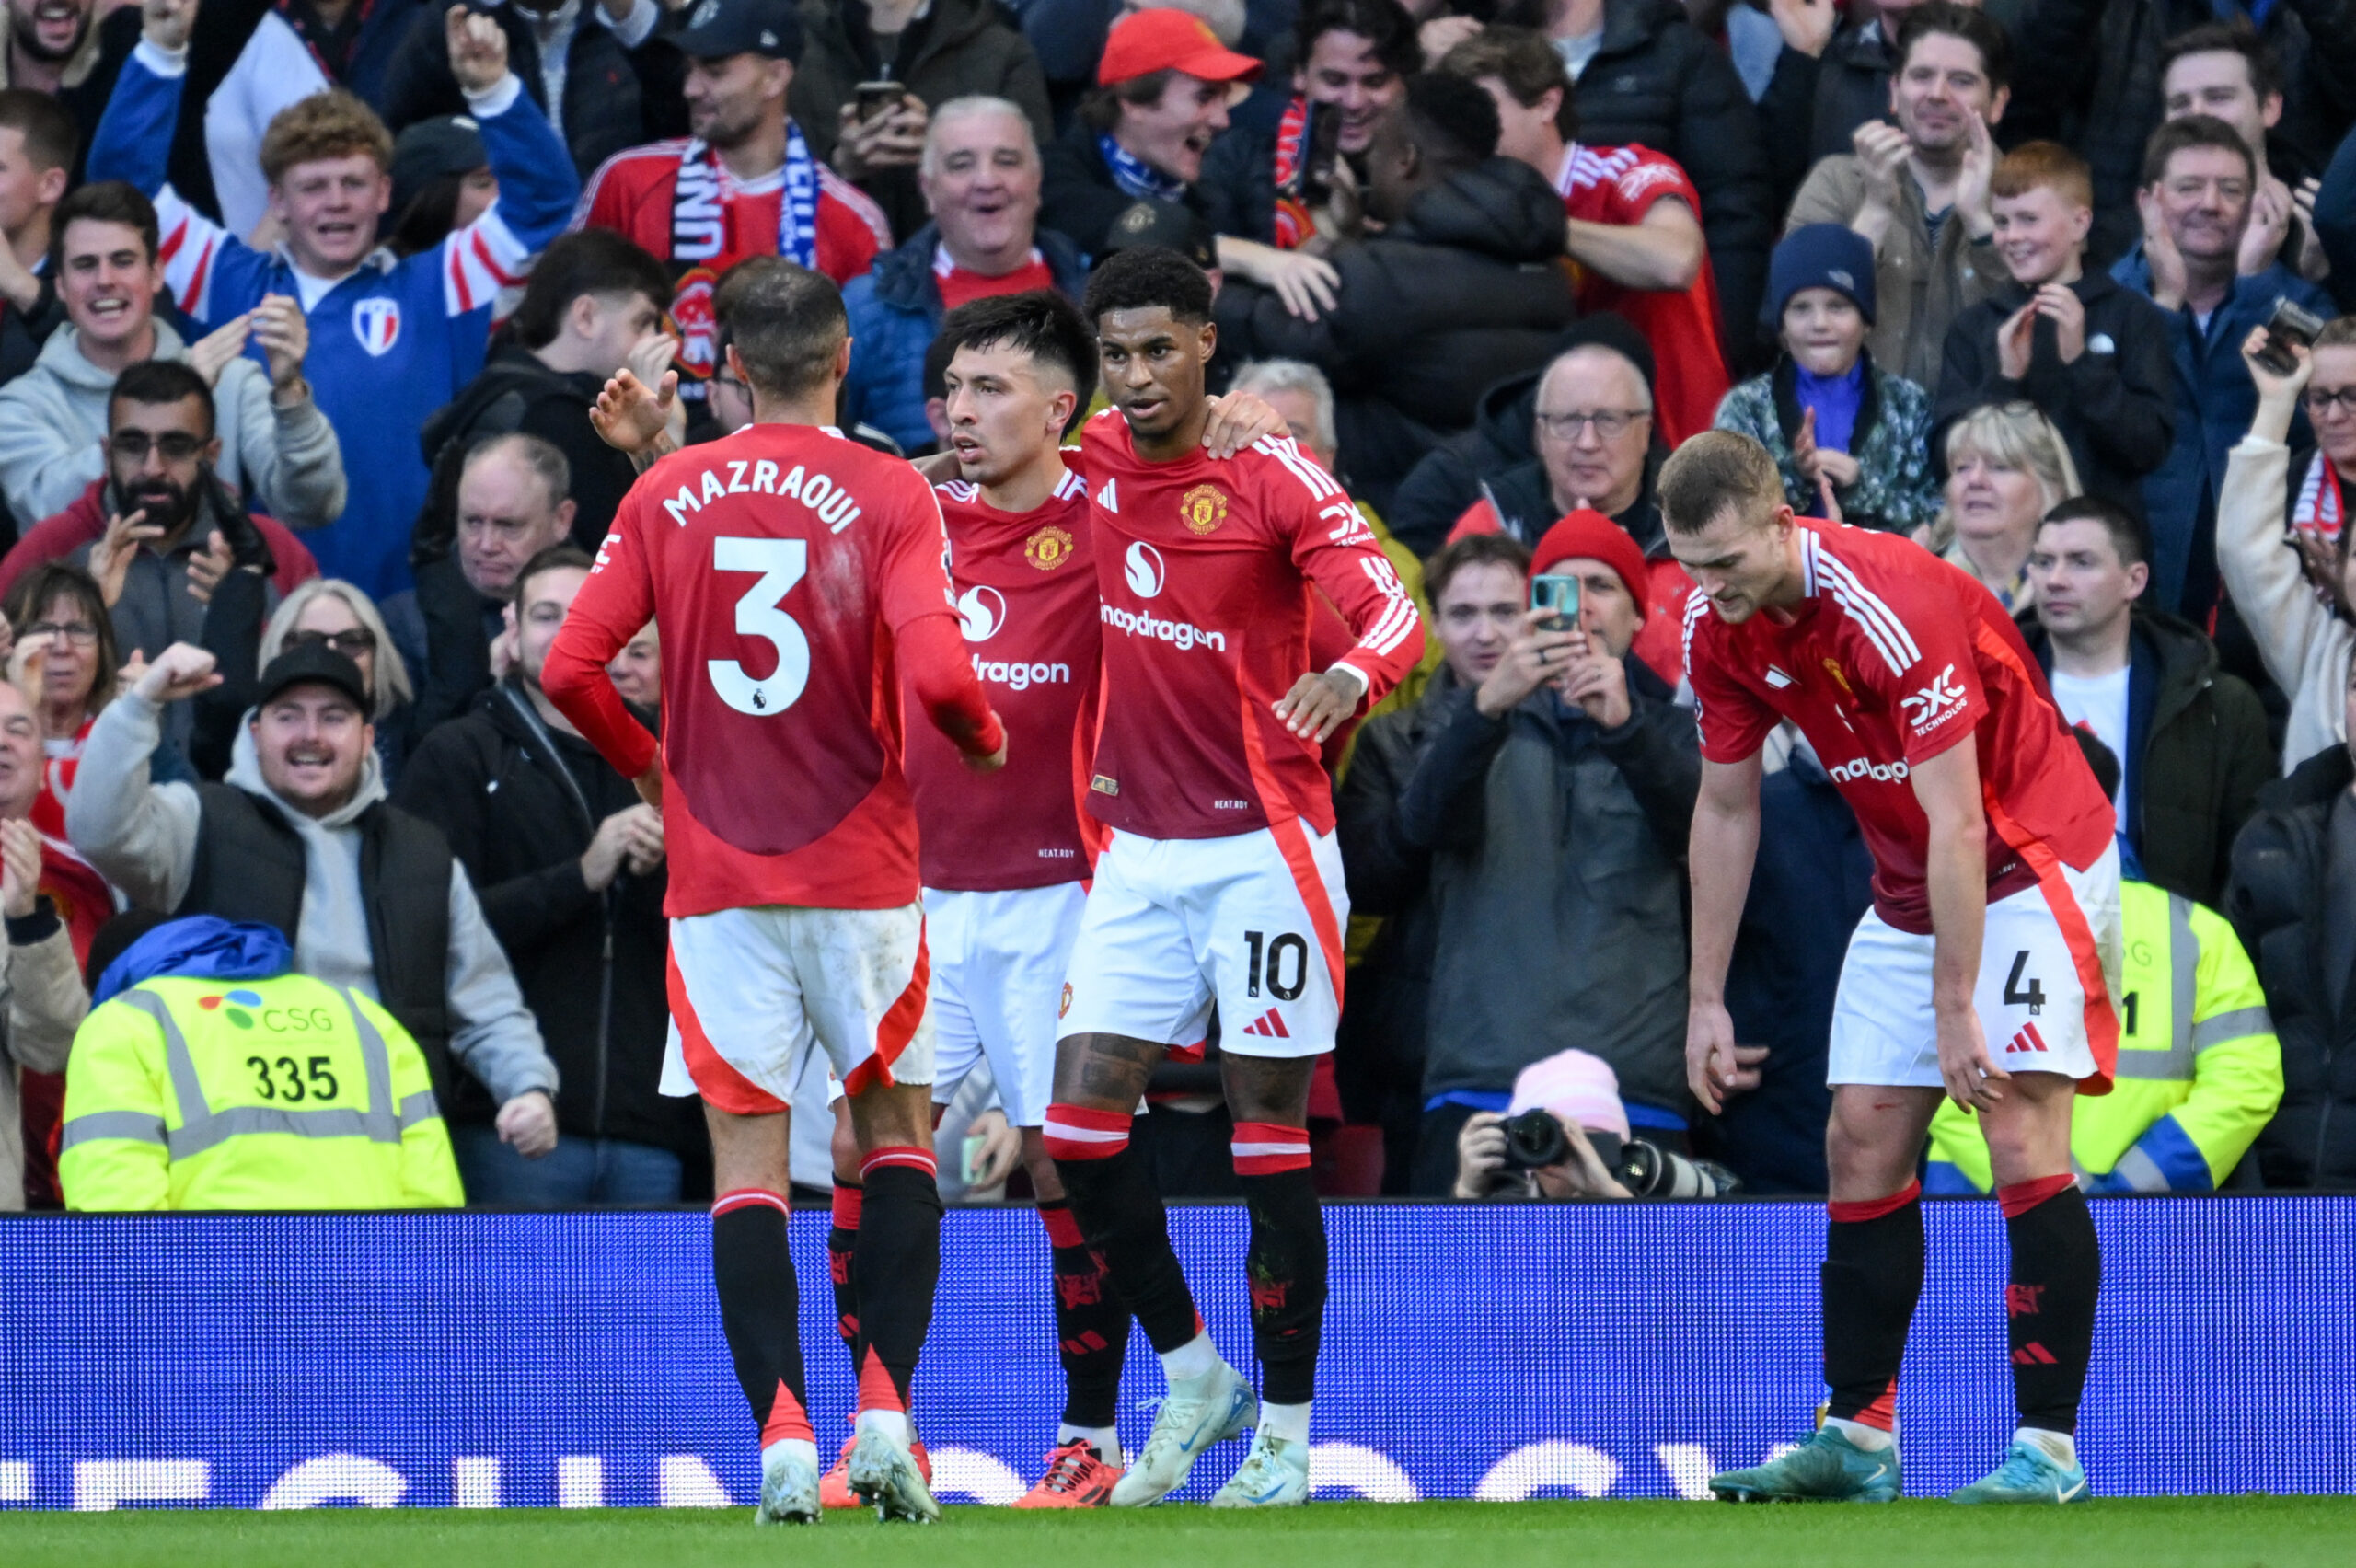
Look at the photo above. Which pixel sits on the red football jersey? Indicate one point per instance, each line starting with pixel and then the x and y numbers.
pixel 631 195
pixel 1893 657
pixel 1619 186
pixel 1206 568
pixel 1026 600
pixel 789 571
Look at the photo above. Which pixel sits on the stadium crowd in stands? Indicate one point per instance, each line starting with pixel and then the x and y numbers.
pixel 304 307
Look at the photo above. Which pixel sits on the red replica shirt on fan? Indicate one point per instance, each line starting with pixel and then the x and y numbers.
pixel 632 193
pixel 959 286
pixel 1619 186
pixel 1205 568
pixel 1893 657
pixel 786 569
pixel 1026 600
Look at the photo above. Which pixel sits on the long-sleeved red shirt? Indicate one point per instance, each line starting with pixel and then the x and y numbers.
pixel 1206 569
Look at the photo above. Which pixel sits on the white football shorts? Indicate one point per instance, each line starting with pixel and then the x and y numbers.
pixel 1251 923
pixel 998 959
pixel 2050 964
pixel 754 991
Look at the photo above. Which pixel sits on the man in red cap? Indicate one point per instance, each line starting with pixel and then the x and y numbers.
pixel 1544 820
pixel 1164 88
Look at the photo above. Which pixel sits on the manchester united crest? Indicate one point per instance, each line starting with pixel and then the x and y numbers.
pixel 1048 548
pixel 1833 668
pixel 1203 509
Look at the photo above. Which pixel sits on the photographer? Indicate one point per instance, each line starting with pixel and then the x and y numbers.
pixel 1565 1135
pixel 1554 800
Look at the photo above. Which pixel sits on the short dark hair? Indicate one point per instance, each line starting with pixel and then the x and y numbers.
pixel 2175 136
pixel 2126 530
pixel 556 558
pixel 1524 63
pixel 1453 122
pixel 1038 322
pixel 1144 277
pixel 588 262
pixel 155 382
pixel 1975 27
pixel 1473 549
pixel 2236 36
pixel 1383 23
pixel 51 137
pixel 786 324
pixel 107 202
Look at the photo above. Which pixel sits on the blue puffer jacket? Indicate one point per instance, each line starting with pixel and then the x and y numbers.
pixel 896 312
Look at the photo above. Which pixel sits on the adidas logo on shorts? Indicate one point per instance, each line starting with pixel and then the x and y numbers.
pixel 1269 1025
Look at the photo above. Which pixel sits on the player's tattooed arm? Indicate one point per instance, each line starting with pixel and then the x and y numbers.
pixel 1319 701
pixel 637 421
pixel 1237 420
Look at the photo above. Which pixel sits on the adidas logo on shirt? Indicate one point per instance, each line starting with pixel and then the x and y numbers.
pixel 1106 499
pixel 1269 1025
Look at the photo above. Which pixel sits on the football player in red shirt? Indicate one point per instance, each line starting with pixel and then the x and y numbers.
pixel 797 579
pixel 1006 861
pixel 1221 885
pixel 744 184
pixel 1984 970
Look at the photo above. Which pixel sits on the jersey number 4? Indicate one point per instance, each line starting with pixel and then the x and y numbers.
pixel 781 563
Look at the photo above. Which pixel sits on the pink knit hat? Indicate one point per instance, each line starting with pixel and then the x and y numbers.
pixel 1580 1088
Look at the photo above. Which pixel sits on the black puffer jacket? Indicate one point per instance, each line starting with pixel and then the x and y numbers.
pixel 519 804
pixel 1656 81
pixel 1448 477
pixel 956 48
pixel 614 97
pixel 1459 291
pixel 2276 899
pixel 1813 105
pixel 2088 72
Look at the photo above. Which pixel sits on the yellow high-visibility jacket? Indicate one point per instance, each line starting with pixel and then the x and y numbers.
pixel 285 1093
pixel 2199 1070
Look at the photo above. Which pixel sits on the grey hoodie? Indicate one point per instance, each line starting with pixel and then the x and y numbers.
pixel 285 461
pixel 142 837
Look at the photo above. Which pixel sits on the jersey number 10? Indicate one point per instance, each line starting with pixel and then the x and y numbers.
pixel 782 563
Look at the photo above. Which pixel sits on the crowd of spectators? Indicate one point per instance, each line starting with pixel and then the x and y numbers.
pixel 303 304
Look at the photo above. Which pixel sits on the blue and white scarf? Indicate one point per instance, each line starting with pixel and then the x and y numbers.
pixel 1136 176
pixel 699 222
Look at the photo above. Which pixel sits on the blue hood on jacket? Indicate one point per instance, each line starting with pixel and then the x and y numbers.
pixel 203 947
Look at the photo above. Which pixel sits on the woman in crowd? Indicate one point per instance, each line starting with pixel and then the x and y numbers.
pixel 2282 542
pixel 327 610
pixel 65 659
pixel 2007 467
pixel 1850 440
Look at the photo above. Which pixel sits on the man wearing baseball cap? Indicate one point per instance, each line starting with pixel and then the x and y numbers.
pixel 746 184
pixel 299 836
pixel 1553 803
pixel 1163 89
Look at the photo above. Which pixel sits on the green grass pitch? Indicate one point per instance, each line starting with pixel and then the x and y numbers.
pixel 2239 1532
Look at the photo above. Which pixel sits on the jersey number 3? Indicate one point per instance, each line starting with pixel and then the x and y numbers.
pixel 781 563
